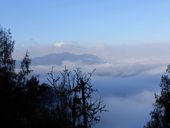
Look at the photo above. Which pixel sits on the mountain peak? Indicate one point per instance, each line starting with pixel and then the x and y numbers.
pixel 59 58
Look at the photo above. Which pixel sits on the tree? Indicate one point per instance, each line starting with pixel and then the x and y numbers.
pixel 7 63
pixel 61 85
pixel 160 117
pixel 24 70
pixel 75 91
pixel 86 108
pixel 6 49
pixel 7 77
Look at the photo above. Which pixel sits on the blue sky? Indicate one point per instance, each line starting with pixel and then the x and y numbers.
pixel 87 21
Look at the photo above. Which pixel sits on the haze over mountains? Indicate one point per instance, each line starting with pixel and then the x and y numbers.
pixel 115 61
pixel 59 58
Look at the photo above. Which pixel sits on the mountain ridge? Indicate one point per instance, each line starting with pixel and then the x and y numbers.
pixel 59 58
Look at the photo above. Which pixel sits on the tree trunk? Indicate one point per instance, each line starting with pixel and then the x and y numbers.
pixel 84 104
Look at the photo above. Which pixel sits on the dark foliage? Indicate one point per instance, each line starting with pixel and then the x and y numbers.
pixel 74 98
pixel 160 117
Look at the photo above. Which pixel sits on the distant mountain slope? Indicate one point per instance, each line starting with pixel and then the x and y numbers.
pixel 59 58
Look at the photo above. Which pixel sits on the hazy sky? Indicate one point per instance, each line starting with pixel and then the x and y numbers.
pixel 87 21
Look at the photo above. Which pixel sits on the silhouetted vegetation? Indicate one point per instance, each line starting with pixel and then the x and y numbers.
pixel 66 102
pixel 74 97
pixel 160 116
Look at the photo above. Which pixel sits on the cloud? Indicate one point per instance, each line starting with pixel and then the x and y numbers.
pixel 127 86
pixel 106 69
pixel 127 80
pixel 59 44
pixel 122 69
pixel 129 100
pixel 124 97
pixel 119 60
pixel 127 112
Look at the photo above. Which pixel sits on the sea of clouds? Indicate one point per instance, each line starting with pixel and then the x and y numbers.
pixel 126 80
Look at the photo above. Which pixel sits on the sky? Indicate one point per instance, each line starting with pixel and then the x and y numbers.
pixel 87 21
pixel 131 37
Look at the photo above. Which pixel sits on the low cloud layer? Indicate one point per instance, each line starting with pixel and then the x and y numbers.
pixel 128 112
pixel 119 60
pixel 129 100
pixel 127 78
pixel 107 69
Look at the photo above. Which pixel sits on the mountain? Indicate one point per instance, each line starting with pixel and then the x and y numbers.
pixel 59 58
